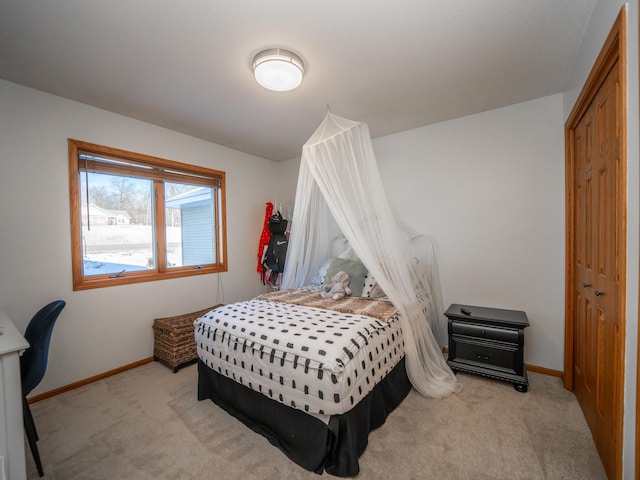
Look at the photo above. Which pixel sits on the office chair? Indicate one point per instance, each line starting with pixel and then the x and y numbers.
pixel 33 364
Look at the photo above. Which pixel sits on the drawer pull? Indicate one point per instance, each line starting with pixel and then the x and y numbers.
pixel 483 357
pixel 598 293
pixel 483 332
pixel 586 285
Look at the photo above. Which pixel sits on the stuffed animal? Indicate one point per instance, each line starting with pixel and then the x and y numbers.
pixel 339 286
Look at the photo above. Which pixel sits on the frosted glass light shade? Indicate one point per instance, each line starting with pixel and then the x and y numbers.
pixel 278 69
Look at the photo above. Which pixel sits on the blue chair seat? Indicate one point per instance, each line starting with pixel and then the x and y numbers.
pixel 33 365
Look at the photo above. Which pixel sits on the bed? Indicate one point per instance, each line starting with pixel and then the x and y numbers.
pixel 314 376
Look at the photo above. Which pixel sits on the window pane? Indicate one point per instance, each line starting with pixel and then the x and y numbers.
pixel 190 224
pixel 117 224
pixel 123 230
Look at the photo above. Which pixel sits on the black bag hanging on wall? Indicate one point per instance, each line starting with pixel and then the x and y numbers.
pixel 277 224
pixel 276 252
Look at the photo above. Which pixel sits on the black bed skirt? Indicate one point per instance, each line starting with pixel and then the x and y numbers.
pixel 307 441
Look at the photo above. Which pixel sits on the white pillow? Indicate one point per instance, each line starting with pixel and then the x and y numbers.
pixel 371 288
pixel 369 283
pixel 349 254
pixel 318 277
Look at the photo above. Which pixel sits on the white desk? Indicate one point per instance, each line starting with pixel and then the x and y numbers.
pixel 12 343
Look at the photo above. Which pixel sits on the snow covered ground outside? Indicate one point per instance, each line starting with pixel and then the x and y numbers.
pixel 113 248
pixel 123 234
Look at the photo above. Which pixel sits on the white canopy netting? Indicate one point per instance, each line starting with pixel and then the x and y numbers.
pixel 340 193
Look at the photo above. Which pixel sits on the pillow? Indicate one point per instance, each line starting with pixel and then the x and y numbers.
pixel 354 268
pixel 371 288
pixel 377 292
pixel 369 283
pixel 350 254
pixel 322 271
pixel 318 277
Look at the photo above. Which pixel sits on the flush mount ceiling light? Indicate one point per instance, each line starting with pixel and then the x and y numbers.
pixel 278 69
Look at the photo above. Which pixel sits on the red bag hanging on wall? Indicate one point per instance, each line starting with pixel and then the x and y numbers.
pixel 265 237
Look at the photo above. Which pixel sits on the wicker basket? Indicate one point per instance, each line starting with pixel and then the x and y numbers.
pixel 174 344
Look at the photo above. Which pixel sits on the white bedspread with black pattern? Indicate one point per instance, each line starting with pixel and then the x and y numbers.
pixel 319 361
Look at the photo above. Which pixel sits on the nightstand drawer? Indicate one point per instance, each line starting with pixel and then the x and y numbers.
pixel 485 332
pixel 502 358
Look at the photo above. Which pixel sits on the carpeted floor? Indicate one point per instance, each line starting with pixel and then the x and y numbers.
pixel 147 424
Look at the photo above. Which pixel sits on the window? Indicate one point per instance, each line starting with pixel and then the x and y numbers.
pixel 136 218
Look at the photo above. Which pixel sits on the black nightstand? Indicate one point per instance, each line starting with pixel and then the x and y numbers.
pixel 489 342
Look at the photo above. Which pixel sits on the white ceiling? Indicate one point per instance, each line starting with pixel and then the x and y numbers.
pixel 395 64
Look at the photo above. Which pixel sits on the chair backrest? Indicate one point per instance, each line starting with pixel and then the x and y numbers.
pixel 33 362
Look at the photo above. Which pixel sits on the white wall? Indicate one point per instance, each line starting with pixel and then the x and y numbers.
pixel 287 172
pixel 633 241
pixel 633 237
pixel 489 188
pixel 102 329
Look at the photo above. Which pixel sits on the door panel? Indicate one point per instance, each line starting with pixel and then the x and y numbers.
pixel 597 207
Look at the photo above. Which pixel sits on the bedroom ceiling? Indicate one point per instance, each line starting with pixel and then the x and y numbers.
pixel 186 65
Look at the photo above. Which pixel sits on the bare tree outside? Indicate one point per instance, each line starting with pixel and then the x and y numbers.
pixel 118 219
pixel 117 223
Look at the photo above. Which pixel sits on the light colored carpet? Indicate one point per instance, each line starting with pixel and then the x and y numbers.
pixel 148 424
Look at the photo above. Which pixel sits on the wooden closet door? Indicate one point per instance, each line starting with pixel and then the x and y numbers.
pixel 597 287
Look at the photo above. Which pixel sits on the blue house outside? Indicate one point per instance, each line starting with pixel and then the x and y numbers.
pixel 197 217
